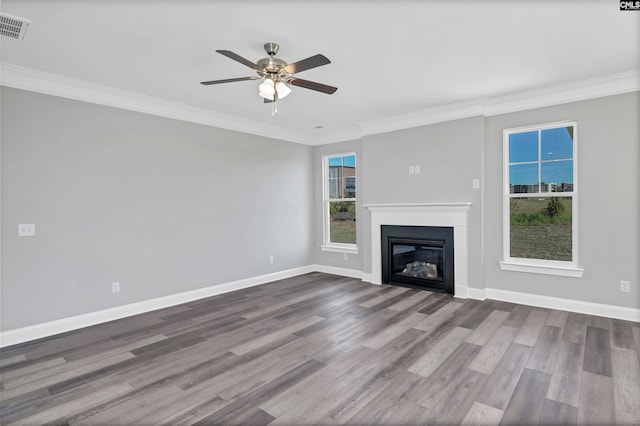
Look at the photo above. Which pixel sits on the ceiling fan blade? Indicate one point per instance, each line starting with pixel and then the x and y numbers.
pixel 305 64
pixel 229 54
pixel 228 80
pixel 313 85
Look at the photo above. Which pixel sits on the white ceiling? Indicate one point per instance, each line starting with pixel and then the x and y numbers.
pixel 389 58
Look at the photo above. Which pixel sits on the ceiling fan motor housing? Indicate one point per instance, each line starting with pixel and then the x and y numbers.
pixel 271 65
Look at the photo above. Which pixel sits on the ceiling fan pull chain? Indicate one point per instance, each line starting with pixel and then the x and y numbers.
pixel 274 108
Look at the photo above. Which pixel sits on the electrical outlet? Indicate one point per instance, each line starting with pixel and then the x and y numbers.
pixel 115 287
pixel 26 230
pixel 625 286
pixel 416 169
pixel 412 170
pixel 271 260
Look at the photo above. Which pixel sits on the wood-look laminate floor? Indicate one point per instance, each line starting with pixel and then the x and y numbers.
pixel 321 349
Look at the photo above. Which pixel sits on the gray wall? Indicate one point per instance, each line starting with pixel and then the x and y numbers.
pixel 161 206
pixel 450 157
pixel 164 206
pixel 454 153
pixel 609 201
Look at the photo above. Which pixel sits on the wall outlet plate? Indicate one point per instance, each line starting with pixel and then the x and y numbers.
pixel 625 286
pixel 26 230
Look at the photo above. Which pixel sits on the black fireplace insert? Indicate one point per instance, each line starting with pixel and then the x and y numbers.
pixel 418 256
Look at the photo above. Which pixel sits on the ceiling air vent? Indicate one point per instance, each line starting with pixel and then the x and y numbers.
pixel 12 26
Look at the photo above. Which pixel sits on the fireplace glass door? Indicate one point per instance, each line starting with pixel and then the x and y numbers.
pixel 418 256
pixel 417 262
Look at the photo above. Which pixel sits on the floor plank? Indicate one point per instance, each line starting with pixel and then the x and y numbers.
pixel 324 349
pixel 527 401
pixel 626 381
pixel 596 402
pixel 565 380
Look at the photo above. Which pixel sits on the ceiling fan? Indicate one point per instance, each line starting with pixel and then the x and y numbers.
pixel 277 74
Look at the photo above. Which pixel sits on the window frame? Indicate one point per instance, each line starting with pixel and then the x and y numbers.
pixel 327 245
pixel 540 266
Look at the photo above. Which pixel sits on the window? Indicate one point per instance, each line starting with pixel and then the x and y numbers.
pixel 540 199
pixel 339 203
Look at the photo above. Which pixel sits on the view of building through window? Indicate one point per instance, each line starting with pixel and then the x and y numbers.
pixel 340 199
pixel 541 179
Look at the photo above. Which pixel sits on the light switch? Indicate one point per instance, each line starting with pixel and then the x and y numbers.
pixel 412 170
pixel 26 230
pixel 417 169
pixel 476 183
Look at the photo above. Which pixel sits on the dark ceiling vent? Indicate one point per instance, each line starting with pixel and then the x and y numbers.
pixel 12 26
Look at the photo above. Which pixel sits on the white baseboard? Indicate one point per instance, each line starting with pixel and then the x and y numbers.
pixel 476 293
pixel 63 325
pixel 368 278
pixel 344 272
pixel 549 302
pixel 461 292
pixel 51 328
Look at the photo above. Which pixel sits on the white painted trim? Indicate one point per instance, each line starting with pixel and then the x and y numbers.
pixel 476 293
pixel 424 117
pixel 549 302
pixel 50 328
pixel 327 245
pixel 334 270
pixel 599 87
pixel 339 248
pixel 57 85
pixel 461 292
pixel 539 266
pixel 545 269
pixel 338 135
pixel 367 278
pixel 423 214
pixel 52 84
pixel 593 88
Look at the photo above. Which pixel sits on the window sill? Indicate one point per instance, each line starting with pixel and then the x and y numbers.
pixel 562 271
pixel 340 249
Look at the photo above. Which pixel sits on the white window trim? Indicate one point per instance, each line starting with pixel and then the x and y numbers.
pixel 326 244
pixel 539 266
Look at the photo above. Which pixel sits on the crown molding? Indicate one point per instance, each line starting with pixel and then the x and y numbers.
pixel 614 84
pixel 53 84
pixel 423 117
pixel 339 135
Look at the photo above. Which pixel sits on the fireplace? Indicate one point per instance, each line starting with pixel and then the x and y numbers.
pixel 422 214
pixel 418 256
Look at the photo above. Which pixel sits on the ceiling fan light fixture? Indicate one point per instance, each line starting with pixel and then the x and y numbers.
pixel 267 89
pixel 283 89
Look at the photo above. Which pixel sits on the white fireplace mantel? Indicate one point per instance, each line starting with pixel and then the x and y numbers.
pixel 423 214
